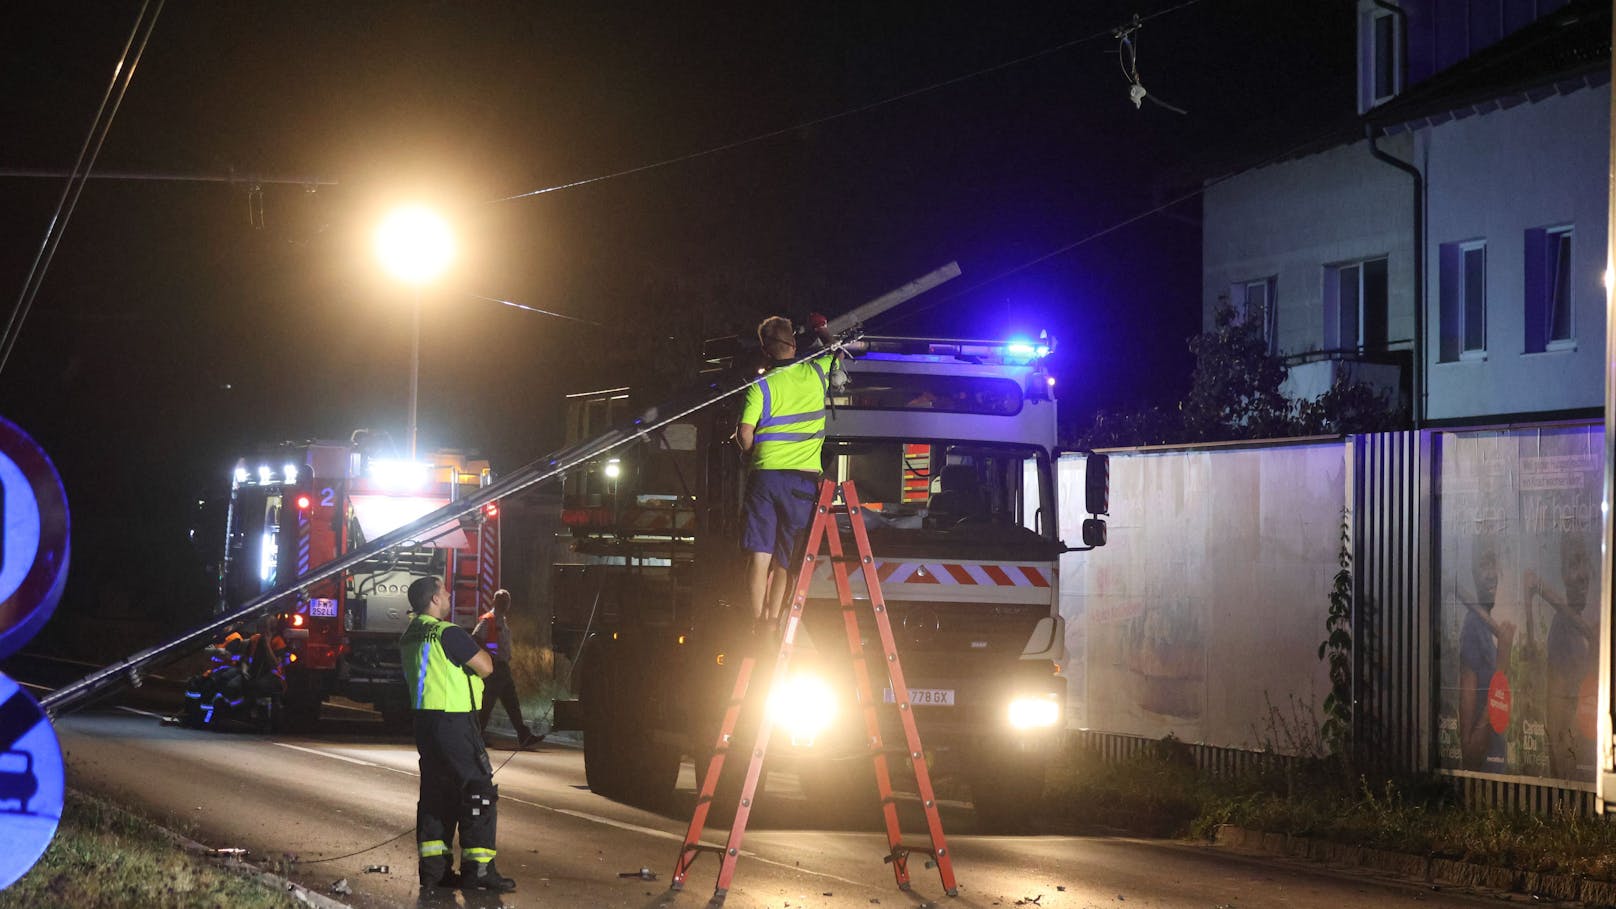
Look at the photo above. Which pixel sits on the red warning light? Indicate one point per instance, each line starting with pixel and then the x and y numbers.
pixel 491 509
pixel 297 620
pixel 303 503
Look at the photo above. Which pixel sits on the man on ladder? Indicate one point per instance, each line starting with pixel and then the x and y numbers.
pixel 781 429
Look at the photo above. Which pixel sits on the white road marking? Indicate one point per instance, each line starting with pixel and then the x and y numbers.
pixel 333 755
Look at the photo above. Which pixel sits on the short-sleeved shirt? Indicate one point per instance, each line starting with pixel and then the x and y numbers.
pixel 788 410
pixel 458 645
pixel 1478 652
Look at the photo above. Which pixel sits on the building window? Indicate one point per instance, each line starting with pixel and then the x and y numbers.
pixel 1548 289
pixel 1355 306
pixel 1385 51
pixel 1463 301
pixel 1254 299
pixel 1380 56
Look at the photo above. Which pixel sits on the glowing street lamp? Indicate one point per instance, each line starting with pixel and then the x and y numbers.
pixel 414 245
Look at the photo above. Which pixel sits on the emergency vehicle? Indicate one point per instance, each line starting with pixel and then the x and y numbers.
pixel 299 505
pixel 952 447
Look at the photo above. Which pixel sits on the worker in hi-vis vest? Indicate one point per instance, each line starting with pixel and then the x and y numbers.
pixel 445 669
pixel 782 429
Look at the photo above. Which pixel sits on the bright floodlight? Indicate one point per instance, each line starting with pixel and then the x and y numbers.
pixel 414 244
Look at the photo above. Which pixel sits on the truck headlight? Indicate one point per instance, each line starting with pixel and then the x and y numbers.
pixel 804 707
pixel 1034 713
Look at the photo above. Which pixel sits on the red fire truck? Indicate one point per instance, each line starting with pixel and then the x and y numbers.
pixel 298 505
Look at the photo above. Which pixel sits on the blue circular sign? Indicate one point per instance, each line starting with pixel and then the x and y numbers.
pixel 33 538
pixel 30 782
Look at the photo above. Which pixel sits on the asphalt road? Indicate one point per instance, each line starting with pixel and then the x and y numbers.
pixel 315 798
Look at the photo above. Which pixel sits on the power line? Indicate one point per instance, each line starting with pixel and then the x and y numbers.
pixel 76 180
pixel 849 112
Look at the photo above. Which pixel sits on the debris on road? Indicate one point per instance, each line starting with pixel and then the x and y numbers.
pixel 378 869
pixel 644 874
pixel 341 887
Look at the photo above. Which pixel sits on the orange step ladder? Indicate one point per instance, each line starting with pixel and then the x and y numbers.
pixel 823 533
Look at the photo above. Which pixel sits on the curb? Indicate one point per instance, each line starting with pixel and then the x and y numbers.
pixel 1429 869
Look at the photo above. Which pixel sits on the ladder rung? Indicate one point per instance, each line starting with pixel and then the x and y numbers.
pixel 903 852
pixel 699 848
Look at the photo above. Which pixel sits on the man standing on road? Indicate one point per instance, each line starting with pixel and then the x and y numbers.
pixel 782 429
pixel 445 669
pixel 493 632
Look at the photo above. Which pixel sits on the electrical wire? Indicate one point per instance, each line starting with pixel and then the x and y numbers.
pixel 1110 229
pixel 533 309
pixel 97 135
pixel 849 112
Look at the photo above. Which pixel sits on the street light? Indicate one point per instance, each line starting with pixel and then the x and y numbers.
pixel 415 246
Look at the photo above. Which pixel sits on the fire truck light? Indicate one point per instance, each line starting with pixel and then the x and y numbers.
pixel 297 620
pixel 240 475
pixel 264 473
pixel 303 503
pixel 289 472
pixel 491 509
pixel 399 474
pixel 613 470
pixel 291 658
pixel 1051 381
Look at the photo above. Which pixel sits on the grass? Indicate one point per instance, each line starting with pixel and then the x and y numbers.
pixel 1163 794
pixel 106 858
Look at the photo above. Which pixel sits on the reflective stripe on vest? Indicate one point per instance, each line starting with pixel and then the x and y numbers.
pixel 792 422
pixel 434 682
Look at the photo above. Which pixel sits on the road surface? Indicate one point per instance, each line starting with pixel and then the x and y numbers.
pixel 314 799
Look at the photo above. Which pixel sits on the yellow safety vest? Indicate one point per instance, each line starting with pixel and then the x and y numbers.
pixel 788 410
pixel 435 683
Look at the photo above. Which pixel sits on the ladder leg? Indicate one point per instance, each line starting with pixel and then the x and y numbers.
pixel 900 693
pixel 709 781
pixel 868 699
pixel 817 532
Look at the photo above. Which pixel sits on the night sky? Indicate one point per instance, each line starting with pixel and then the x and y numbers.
pixel 171 333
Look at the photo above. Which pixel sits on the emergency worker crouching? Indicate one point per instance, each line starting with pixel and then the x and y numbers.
pixel 445 669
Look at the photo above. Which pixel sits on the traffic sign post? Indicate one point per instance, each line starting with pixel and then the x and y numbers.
pixel 33 570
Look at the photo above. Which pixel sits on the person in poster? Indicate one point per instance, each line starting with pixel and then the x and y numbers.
pixel 1484 650
pixel 1572 645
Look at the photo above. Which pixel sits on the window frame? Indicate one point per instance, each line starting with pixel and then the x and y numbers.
pixel 1394 78
pixel 1463 298
pixel 1552 237
pixel 1332 303
pixel 1270 285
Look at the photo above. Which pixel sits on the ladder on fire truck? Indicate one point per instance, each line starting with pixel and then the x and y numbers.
pixel 824 531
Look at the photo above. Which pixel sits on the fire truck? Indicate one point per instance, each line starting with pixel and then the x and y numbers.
pixel 952 447
pixel 297 505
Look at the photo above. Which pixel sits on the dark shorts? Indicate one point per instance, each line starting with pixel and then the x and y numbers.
pixel 778 507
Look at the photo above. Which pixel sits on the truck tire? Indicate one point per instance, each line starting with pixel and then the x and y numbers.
pixel 650 771
pixel 298 714
pixel 603 744
pixel 1007 789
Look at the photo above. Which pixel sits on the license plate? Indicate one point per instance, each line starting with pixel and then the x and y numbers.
pixel 924 697
pixel 323 608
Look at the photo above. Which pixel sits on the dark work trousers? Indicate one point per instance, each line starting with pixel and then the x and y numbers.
pixel 502 687
pixel 456 779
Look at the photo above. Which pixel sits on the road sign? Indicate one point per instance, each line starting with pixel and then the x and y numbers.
pixel 33 538
pixel 30 782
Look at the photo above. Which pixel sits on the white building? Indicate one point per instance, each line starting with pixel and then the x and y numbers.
pixel 1471 192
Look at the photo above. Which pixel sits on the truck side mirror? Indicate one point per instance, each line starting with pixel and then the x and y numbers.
pixel 1093 532
pixel 1096 488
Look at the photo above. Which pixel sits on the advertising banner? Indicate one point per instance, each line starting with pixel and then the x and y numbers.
pixel 1518 528
pixel 1203 614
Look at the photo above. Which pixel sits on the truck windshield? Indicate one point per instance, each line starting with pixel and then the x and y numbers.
pixel 930 492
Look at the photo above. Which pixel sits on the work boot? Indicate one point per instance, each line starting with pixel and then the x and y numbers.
pixel 484 876
pixel 437 872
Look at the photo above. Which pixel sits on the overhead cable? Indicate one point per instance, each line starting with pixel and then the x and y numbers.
pixel 863 108
pixel 99 127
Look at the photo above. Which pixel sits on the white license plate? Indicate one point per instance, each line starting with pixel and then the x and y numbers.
pixel 322 608
pixel 924 697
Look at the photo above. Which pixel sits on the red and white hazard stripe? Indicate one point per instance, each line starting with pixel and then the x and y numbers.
pixel 962 574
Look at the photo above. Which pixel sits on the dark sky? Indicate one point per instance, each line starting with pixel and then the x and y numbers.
pixel 171 333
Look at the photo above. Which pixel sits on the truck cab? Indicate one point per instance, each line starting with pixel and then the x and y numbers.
pixel 951 445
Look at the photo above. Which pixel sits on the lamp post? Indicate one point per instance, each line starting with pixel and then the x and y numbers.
pixel 414 245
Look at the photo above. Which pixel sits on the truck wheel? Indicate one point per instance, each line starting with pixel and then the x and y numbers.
pixel 1007 789
pixel 650 773
pixel 603 745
